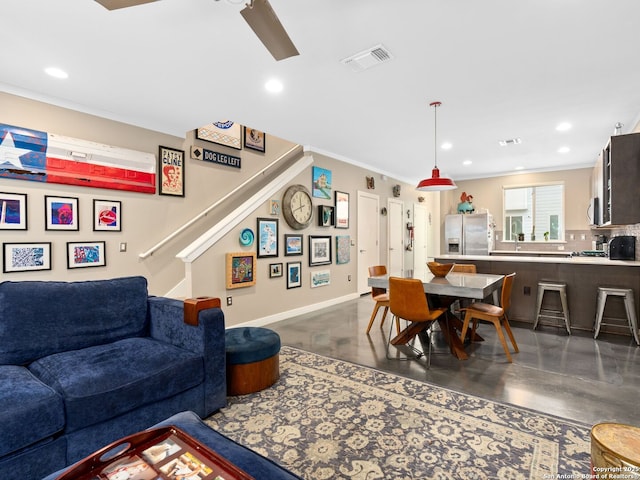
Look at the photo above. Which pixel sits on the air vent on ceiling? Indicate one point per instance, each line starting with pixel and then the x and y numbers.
pixel 367 58
pixel 511 141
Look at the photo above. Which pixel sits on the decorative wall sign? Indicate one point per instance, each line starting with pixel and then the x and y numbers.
pixel 86 254
pixel 13 211
pixel 254 139
pixel 171 167
pixel 241 268
pixel 199 153
pixel 320 278
pixel 225 133
pixel 343 249
pixel 325 216
pixel 342 210
pixel 26 257
pixel 321 183
pixel 61 213
pixel 267 237
pixel 319 250
pixel 107 215
pixel 275 270
pixel 292 245
pixel 27 154
pixel 294 274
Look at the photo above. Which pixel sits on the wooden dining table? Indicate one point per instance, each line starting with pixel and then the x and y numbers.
pixel 477 286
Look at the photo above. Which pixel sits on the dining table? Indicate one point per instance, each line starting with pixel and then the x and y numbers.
pixel 453 286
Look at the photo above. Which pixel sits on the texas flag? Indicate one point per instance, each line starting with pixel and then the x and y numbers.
pixel 27 154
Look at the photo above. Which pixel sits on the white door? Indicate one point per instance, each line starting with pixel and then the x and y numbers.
pixel 368 237
pixel 420 236
pixel 395 237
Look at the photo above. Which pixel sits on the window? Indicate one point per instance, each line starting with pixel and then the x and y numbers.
pixel 537 211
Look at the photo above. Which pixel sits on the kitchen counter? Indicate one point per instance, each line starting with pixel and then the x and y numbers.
pixel 523 257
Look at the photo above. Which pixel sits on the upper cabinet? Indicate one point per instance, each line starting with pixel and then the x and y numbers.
pixel 620 164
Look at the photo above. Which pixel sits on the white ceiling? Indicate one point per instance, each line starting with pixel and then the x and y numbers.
pixel 501 68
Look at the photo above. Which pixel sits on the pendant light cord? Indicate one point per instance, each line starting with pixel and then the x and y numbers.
pixel 435 106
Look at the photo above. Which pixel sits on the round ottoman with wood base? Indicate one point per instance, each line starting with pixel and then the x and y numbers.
pixel 253 359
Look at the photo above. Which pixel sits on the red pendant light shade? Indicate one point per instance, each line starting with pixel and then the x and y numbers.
pixel 436 182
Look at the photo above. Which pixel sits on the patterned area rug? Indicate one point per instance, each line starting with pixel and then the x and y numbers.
pixel 327 419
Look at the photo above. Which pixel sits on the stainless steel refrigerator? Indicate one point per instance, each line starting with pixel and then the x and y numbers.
pixel 468 234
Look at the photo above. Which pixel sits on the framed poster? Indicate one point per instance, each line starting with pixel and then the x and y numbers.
pixel 319 250
pixel 275 270
pixel 86 254
pixel 241 268
pixel 225 133
pixel 343 252
pixel 254 139
pixel 106 215
pixel 267 237
pixel 13 211
pixel 342 210
pixel 294 278
pixel 320 278
pixel 26 257
pixel 321 183
pixel 293 245
pixel 61 213
pixel 325 216
pixel 171 168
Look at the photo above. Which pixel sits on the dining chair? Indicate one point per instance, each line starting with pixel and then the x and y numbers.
pixel 407 300
pixel 381 297
pixel 480 311
pixel 464 268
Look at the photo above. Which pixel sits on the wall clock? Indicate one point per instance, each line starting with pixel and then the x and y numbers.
pixel 297 207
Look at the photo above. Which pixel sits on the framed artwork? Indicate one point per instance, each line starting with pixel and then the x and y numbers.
pixel 342 210
pixel 107 215
pixel 246 237
pixel 319 250
pixel 325 216
pixel 171 169
pixel 275 270
pixel 225 133
pixel 86 254
pixel 267 237
pixel 241 268
pixel 321 183
pixel 294 279
pixel 13 211
pixel 292 245
pixel 320 278
pixel 274 207
pixel 61 213
pixel 254 139
pixel 343 251
pixel 26 257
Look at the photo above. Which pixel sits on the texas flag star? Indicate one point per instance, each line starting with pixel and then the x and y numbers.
pixel 9 153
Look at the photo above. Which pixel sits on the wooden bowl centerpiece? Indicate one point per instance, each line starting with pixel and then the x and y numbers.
pixel 440 269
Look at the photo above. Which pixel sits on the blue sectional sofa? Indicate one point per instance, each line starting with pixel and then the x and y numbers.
pixel 85 363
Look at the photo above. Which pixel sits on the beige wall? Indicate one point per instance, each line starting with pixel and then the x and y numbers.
pixel 147 219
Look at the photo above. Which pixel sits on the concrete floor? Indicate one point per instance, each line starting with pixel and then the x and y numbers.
pixel 573 377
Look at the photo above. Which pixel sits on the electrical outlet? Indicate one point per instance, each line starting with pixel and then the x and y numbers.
pixel 229 301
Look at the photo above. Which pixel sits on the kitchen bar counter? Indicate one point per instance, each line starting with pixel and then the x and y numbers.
pixel 583 276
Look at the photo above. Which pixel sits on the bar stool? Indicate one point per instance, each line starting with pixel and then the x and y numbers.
pixel 629 305
pixel 563 314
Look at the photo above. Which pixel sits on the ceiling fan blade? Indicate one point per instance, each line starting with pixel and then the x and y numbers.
pixel 116 4
pixel 266 25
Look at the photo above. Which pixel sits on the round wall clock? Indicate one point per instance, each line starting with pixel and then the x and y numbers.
pixel 297 207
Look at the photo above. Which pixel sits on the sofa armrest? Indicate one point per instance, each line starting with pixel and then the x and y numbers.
pixel 166 324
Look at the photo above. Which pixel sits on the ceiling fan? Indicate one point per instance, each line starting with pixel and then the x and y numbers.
pixel 257 13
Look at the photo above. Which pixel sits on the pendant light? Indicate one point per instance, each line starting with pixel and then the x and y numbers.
pixel 436 183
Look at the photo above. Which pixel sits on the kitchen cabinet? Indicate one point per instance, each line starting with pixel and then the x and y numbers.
pixel 620 161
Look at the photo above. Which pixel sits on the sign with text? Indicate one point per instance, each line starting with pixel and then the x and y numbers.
pixel 199 153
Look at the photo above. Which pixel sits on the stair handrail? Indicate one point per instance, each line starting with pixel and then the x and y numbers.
pixel 206 211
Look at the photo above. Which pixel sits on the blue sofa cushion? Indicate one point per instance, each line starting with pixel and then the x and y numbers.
pixel 104 381
pixel 30 411
pixel 250 344
pixel 41 318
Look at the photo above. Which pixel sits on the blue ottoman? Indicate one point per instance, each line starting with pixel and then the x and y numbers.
pixel 253 359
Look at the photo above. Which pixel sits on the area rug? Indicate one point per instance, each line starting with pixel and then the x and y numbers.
pixel 327 419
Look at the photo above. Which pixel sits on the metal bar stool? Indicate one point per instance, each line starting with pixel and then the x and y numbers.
pixel 629 305
pixel 563 314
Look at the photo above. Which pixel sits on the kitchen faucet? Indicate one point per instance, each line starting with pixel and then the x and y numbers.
pixel 515 242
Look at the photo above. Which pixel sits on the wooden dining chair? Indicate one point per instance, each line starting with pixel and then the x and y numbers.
pixel 381 297
pixel 464 268
pixel 408 301
pixel 480 311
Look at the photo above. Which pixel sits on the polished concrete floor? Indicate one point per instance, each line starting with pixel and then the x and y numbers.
pixel 574 377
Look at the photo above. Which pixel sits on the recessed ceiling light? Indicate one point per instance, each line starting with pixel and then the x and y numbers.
pixel 274 86
pixel 56 72
pixel 563 127
pixel 564 150
pixel 519 168
pixel 467 162
pixel 446 146
pixel 511 141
